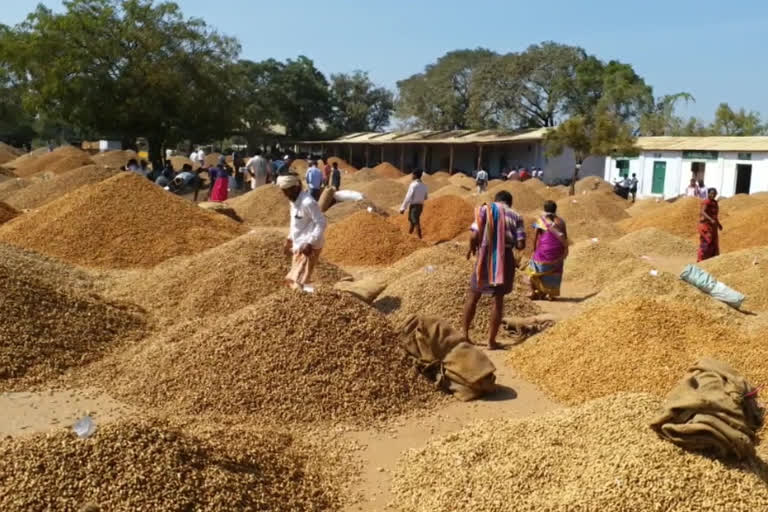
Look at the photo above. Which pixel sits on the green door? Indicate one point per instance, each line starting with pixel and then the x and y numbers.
pixel 659 175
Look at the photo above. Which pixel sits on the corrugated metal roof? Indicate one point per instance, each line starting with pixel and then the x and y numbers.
pixel 437 137
pixel 703 143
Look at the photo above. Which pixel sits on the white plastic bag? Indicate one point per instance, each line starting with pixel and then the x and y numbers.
pixel 704 281
pixel 348 195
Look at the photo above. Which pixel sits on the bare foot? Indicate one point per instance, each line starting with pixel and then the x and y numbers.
pixel 494 346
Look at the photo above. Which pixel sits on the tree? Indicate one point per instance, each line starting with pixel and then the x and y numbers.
pixel 529 89
pixel 439 98
pixel 604 133
pixel 729 122
pixel 357 104
pixel 660 118
pixel 125 67
pixel 16 125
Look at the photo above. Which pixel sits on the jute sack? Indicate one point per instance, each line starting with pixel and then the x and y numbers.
pixel 469 371
pixel 712 409
pixel 441 353
pixel 366 289
pixel 326 198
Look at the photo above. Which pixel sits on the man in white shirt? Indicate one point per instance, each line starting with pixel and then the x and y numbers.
pixel 201 157
pixel 307 232
pixel 414 201
pixel 257 168
pixel 481 180
pixel 633 186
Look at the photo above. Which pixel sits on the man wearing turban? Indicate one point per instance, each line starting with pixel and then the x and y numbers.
pixel 307 232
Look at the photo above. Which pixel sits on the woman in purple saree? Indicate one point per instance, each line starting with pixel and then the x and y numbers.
pixel 550 244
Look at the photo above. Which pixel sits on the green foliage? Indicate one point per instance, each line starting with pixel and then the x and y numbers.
pixel 357 104
pixel 440 97
pixel 660 118
pixel 125 67
pixel 530 89
pixel 601 134
pixel 293 94
pixel 729 122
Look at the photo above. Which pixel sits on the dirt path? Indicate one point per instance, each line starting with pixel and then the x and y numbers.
pixel 32 412
pixel 516 398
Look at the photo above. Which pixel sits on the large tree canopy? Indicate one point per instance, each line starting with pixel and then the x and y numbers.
pixel 357 105
pixel 126 67
pixel 439 98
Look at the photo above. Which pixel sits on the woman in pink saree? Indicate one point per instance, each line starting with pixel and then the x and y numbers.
pixel 550 243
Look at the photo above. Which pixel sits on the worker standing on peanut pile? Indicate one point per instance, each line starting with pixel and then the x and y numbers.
pixel 497 231
pixel 414 201
pixel 314 180
pixel 307 232
pixel 481 180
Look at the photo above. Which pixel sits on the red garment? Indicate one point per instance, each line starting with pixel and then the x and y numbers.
pixel 524 175
pixel 220 190
pixel 327 173
pixel 709 238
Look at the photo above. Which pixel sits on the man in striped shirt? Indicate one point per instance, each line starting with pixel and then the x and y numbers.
pixel 497 231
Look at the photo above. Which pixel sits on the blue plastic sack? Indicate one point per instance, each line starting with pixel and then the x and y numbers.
pixel 704 281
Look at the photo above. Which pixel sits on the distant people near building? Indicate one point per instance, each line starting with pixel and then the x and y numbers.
pixel 168 153
pixel 414 202
pixel 513 175
pixel 314 179
pixel 633 186
pixel 166 175
pixel 481 180
pixel 327 169
pixel 693 189
pixel 524 174
pixel 238 165
pixel 257 168
pixel 201 157
pixel 336 176
pixel 703 191
pixel 219 175
pixel 184 182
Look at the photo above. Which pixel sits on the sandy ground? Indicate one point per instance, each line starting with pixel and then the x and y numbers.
pixel 29 412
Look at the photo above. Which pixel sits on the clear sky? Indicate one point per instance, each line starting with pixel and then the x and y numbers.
pixel 713 49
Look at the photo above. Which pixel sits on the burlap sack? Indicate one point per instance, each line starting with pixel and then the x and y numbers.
pixel 470 372
pixel 326 198
pixel 428 339
pixel 711 409
pixel 366 289
pixel 442 354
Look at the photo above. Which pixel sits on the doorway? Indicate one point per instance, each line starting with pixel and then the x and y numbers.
pixel 743 178
pixel 659 177
pixel 698 170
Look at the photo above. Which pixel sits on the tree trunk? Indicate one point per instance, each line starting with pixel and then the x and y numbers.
pixel 155 152
pixel 576 169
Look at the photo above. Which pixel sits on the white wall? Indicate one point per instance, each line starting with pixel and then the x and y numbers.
pixel 561 167
pixel 720 173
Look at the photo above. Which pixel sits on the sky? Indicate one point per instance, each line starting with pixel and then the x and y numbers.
pixel 711 49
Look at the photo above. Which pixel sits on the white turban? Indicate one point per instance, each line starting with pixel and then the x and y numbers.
pixel 288 181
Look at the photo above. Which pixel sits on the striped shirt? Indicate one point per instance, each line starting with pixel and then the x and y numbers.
pixel 515 227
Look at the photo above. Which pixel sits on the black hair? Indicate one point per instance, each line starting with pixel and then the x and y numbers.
pixel 132 161
pixel 417 173
pixel 335 164
pixel 550 207
pixel 503 197
pixel 712 189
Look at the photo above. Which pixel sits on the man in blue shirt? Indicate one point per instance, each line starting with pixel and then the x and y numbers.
pixel 314 180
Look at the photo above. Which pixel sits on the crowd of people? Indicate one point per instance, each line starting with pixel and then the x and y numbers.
pixel 495 234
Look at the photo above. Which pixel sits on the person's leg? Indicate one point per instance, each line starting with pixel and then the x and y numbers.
pixel 496 314
pixel 470 307
pixel 410 231
pixel 418 230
